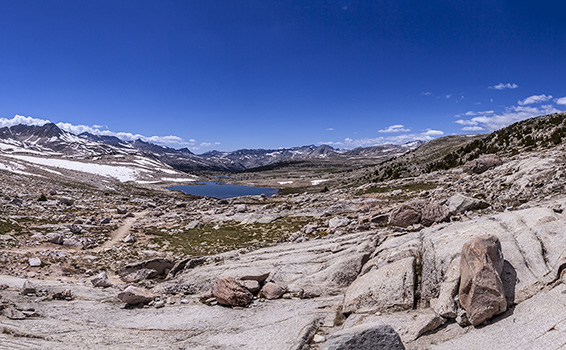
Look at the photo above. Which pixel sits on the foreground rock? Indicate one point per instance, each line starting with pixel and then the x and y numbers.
pixel 135 295
pixel 229 292
pixel 366 337
pixel 390 287
pixel 481 289
pixel 272 290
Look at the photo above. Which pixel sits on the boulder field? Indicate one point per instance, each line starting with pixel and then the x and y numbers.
pixel 470 284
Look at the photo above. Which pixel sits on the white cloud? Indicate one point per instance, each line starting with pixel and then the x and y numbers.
pixel 426 93
pixel 535 99
pixel 473 128
pixel 394 128
pixel 348 142
pixel 329 129
pixel 510 115
pixel 170 140
pixel 430 132
pixel 468 113
pixel 448 96
pixel 561 101
pixel 18 119
pixel 502 86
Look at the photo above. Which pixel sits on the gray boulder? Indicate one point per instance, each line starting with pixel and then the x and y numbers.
pixel 481 289
pixel 101 280
pixel 366 337
pixel 135 295
pixel 459 203
pixel 121 209
pixel 55 237
pixel 272 290
pixel 482 164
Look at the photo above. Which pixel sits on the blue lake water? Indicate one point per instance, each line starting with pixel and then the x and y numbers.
pixel 223 191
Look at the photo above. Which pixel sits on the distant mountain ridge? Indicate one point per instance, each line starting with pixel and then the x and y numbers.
pixel 50 139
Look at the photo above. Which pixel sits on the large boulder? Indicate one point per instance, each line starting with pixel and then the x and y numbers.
pixel 390 287
pixel 407 214
pixel 446 305
pixel 481 289
pixel 228 291
pixel 158 267
pixel 433 213
pixel 135 295
pixel 370 336
pixel 482 164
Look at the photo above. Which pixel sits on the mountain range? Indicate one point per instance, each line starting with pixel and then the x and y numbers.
pixel 49 139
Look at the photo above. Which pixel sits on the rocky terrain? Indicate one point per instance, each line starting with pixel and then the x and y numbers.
pixel 470 254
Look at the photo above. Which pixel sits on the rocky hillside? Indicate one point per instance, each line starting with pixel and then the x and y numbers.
pixel 448 152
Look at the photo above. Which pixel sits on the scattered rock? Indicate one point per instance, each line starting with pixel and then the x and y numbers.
pixel 130 238
pixel 121 209
pixel 101 280
pixel 272 290
pixel 28 288
pixel 481 289
pixel 34 262
pixel 76 229
pixel 65 294
pixel 459 203
pixel 365 337
pixel 251 285
pixel 229 292
pixel 482 164
pixel 135 295
pixel 241 208
pixel 407 214
pixel 433 213
pixel 66 201
pixel 193 224
pixel 338 221
pixel 159 304
pixel 55 237
pixel 13 313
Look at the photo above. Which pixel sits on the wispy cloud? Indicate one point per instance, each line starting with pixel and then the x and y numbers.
pixel 535 99
pixel 502 86
pixel 348 142
pixel 510 115
pixel 329 129
pixel 169 140
pixel 394 129
pixel 426 93
pixel 561 101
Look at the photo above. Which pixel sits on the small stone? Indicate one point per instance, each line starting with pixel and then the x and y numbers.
pixel 34 262
pixel 28 288
pixel 121 209
pixel 129 238
pixel 272 290
pixel 251 285
pixel 318 338
pixel 135 295
pixel 101 280
pixel 159 304
pixel 184 301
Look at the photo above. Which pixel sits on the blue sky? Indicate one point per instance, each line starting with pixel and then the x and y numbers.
pixel 266 74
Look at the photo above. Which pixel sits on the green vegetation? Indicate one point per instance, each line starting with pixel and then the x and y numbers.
pixel 230 235
pixel 7 227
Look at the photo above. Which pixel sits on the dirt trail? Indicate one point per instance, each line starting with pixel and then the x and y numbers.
pixel 116 237
pixel 121 232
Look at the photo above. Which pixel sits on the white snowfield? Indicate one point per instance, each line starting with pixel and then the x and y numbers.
pixel 121 173
pixel 317 182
